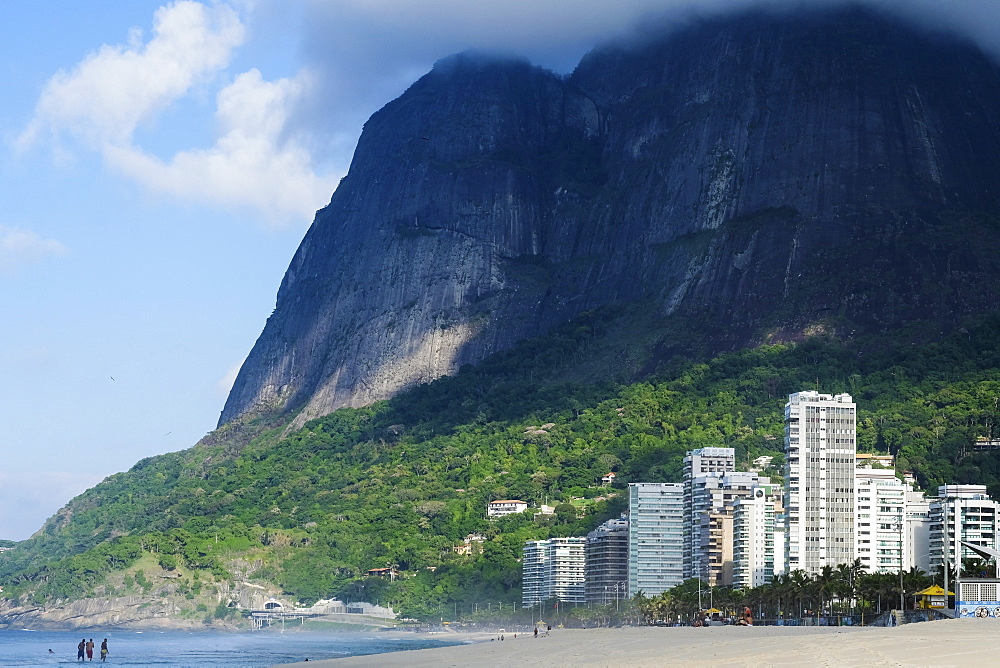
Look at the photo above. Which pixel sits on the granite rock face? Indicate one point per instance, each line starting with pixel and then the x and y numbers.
pixel 761 173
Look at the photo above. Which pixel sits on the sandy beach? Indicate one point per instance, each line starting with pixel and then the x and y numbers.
pixel 964 642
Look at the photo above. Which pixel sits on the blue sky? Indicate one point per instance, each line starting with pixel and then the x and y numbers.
pixel 159 163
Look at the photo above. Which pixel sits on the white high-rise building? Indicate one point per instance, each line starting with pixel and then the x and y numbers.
pixel 709 460
pixel 962 513
pixel 553 568
pixel 703 464
pixel 880 531
pixel 758 550
pixel 820 448
pixel 656 537
pixel 709 533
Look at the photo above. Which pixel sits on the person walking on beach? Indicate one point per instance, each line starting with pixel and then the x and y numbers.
pixel 104 650
pixel 536 631
pixel 80 648
pixel 90 650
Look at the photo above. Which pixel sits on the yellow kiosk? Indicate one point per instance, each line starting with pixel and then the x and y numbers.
pixel 934 597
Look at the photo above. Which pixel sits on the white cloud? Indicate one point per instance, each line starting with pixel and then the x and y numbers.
pixel 256 165
pixel 104 98
pixel 252 165
pixel 19 248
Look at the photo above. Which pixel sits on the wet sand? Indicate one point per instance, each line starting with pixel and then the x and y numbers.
pixel 963 642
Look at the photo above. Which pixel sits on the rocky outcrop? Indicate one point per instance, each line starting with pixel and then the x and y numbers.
pixel 137 611
pixel 758 174
pixel 162 607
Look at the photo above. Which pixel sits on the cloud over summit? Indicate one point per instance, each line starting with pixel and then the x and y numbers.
pixel 281 142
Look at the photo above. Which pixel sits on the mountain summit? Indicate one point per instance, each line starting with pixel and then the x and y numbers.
pixel 762 176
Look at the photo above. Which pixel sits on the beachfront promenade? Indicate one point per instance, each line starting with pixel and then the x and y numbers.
pixel 958 642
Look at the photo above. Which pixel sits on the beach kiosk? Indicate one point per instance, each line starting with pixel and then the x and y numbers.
pixel 979 597
pixel 932 598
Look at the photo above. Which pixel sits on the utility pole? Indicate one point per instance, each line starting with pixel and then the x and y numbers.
pixel 958 560
pixel 899 523
pixel 698 575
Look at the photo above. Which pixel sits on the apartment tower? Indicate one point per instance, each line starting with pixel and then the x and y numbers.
pixel 655 537
pixel 700 467
pixel 553 568
pixel 961 513
pixel 820 449
pixel 607 562
pixel 881 528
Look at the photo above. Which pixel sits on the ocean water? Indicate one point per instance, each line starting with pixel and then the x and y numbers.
pixel 192 648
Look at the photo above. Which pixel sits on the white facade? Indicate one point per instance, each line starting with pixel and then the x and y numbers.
pixel 820 448
pixel 780 560
pixel 918 531
pixel 961 512
pixel 553 568
pixel 505 507
pixel 656 537
pixel 880 531
pixel 709 460
pixel 757 557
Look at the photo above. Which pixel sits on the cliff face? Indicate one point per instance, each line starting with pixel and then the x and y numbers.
pixel 759 173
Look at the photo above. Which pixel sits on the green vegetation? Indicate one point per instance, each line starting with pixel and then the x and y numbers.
pixel 401 482
pixel 844 590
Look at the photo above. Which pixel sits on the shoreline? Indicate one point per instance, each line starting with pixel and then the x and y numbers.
pixel 965 642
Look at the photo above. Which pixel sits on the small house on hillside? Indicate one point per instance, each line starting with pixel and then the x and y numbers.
pixel 390 573
pixel 473 544
pixel 505 507
pixel 608 478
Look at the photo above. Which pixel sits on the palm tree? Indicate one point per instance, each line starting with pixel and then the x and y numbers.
pixel 799 588
pixel 782 594
pixel 643 604
pixel 825 585
pixel 915 579
pixel 845 577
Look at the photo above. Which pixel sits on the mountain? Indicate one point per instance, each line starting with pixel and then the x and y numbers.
pixel 759 177
pixel 812 195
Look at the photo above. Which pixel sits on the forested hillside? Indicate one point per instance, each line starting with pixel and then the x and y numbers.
pixel 400 482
